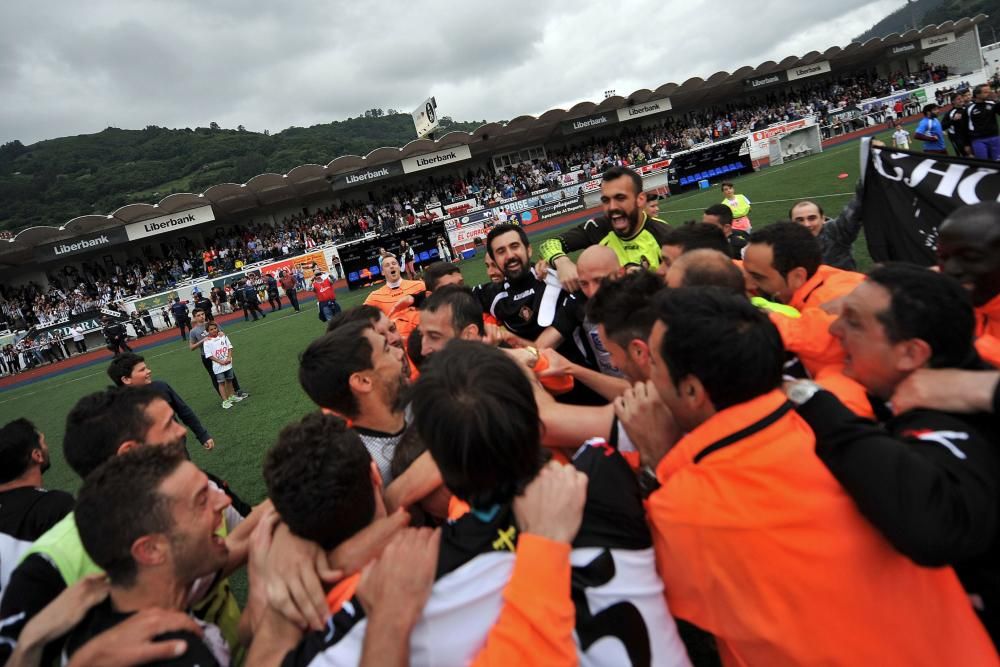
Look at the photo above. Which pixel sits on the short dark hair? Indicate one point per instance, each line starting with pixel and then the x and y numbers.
pixel 414 344
pixel 710 332
pixel 696 236
pixel 120 502
pixel 954 96
pixel 318 476
pixel 929 306
pixel 436 271
pixel 792 245
pixel 326 366
pixel 624 306
pixel 726 184
pixel 614 173
pixel 714 269
pixel 18 438
pixel 503 229
pixel 929 108
pixel 805 201
pixel 122 365
pixel 363 313
pixel 100 422
pixel 475 410
pixel 978 89
pixel 465 308
pixel 722 212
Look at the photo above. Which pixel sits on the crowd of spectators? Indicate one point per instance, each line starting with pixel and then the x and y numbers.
pixel 230 248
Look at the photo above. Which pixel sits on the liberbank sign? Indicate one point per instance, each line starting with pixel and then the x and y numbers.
pixel 438 159
pixel 169 223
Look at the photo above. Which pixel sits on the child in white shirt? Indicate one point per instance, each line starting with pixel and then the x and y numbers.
pixel 219 349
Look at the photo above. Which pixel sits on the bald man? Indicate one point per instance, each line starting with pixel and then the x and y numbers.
pixel 706 267
pixel 594 265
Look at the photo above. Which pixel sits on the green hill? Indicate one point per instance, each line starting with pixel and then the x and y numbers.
pixel 935 12
pixel 52 181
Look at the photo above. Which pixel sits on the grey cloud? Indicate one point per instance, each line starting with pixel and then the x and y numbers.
pixel 75 68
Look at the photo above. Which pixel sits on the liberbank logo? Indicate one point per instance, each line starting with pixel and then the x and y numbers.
pixel 591 122
pixel 70 248
pixel 766 81
pixel 368 175
pixel 167 224
pixel 431 161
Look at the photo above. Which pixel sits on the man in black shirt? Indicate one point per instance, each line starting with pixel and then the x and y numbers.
pixel 148 518
pixel 982 115
pixel 179 311
pixel 527 304
pixel 956 125
pixel 251 301
pixel 273 295
pixel 721 216
pixel 928 480
pixel 26 509
pixel 114 334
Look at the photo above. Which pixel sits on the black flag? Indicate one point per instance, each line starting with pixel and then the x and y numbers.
pixel 908 195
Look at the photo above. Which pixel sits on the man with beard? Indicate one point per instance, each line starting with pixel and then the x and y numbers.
pixel 528 305
pixel 26 509
pixel 149 520
pixel 784 263
pixel 927 479
pixel 955 123
pixel 100 426
pixel 354 372
pixel 969 251
pixel 625 228
pixel 395 288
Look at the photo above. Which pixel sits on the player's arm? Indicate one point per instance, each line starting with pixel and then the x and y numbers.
pixel 846 227
pixel 554 250
pixel 186 415
pixel 607 386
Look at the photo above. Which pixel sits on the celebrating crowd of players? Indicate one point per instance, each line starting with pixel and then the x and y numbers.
pixel 742 454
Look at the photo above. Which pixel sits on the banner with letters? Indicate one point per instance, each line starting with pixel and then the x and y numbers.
pixel 80 244
pixel 169 223
pixel 908 195
pixel 353 179
pixel 304 262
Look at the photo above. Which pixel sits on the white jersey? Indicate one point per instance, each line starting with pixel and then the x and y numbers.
pixel 218 346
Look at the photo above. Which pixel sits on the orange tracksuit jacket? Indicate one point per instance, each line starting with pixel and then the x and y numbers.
pixel 988 331
pixel 385 297
pixel 759 545
pixel 808 336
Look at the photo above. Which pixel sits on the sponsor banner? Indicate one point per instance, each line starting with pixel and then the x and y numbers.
pixel 91 320
pixel 466 234
pixel 425 117
pixel 561 207
pixel 169 223
pixel 570 178
pixel 804 71
pixel 847 113
pixel 351 179
pixel 156 301
pixel 645 109
pixel 764 81
pixel 471 218
pixel 460 207
pixel 438 159
pixel 937 40
pixel 304 262
pixel 589 122
pixel 782 129
pixel 920 95
pixel 651 168
pixel 908 194
pixel 360 260
pixel 80 244
pixel 902 49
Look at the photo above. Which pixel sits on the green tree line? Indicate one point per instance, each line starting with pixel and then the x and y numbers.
pixel 53 181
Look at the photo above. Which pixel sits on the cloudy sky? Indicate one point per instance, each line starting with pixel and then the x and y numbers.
pixel 74 68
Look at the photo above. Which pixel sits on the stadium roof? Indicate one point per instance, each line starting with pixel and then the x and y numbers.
pixel 307 181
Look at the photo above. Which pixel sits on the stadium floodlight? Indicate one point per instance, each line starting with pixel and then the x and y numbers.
pixel 609 93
